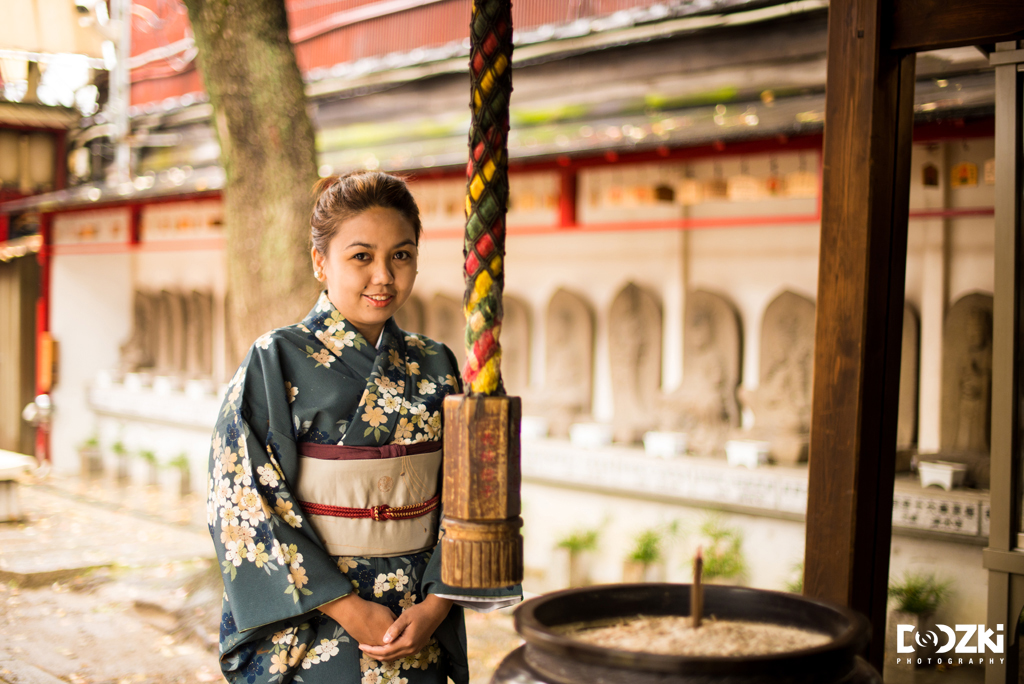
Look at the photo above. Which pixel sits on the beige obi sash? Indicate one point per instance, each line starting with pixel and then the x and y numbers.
pixel 371 501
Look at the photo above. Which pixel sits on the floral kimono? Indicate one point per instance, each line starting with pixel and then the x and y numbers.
pixel 308 387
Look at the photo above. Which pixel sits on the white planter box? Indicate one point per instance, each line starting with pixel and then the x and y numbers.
pixel 665 444
pixel 533 427
pixel 590 435
pixel 747 452
pixel 11 466
pixel 942 474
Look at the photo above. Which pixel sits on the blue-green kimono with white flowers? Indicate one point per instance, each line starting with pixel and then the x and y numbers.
pixel 320 381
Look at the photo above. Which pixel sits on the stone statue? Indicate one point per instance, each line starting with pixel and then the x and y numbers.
pixel 411 316
pixel 164 356
pixel 634 344
pixel 568 364
pixel 515 345
pixel 705 405
pixel 199 334
pixel 781 404
pixel 139 351
pixel 906 428
pixel 446 322
pixel 967 385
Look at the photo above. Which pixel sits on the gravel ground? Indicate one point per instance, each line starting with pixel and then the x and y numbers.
pixel 102 584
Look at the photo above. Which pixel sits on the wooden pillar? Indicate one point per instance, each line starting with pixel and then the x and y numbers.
pixel 868 126
pixel 567 197
pixel 1004 563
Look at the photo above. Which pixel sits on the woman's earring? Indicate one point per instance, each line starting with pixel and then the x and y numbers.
pixel 318 274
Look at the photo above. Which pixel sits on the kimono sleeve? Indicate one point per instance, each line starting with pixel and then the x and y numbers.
pixel 274 566
pixel 480 600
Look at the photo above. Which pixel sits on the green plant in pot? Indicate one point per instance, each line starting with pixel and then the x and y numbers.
pixel 90 457
pixel 723 552
pixel 580 544
pixel 153 467
pixel 646 561
pixel 914 598
pixel 180 463
pixel 121 454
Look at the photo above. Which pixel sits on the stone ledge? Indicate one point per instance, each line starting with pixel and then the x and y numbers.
pixel 173 408
pixel 770 491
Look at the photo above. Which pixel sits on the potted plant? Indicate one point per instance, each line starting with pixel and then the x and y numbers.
pixel 180 463
pixel 723 553
pixel 646 559
pixel 795 585
pixel 152 466
pixel 90 457
pixel 915 598
pixel 579 544
pixel 646 562
pixel 121 454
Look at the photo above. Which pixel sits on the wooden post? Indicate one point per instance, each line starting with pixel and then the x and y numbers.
pixel 868 126
pixel 1004 563
pixel 482 547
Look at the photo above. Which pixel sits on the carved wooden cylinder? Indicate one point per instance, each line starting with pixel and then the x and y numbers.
pixel 482 547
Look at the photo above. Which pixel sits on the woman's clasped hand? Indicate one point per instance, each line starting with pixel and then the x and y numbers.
pixel 382 635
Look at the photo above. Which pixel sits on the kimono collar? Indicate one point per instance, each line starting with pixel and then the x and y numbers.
pixel 336 332
pixel 370 425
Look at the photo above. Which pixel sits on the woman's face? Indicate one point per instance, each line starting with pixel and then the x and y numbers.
pixel 370 268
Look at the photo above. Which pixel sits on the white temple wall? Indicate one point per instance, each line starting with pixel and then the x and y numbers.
pixel 90 315
pixel 948 256
pixel 595 265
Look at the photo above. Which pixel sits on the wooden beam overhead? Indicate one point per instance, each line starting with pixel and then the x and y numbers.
pixel 919 25
pixel 858 330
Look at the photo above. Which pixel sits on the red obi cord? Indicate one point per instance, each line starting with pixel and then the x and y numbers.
pixel 379 513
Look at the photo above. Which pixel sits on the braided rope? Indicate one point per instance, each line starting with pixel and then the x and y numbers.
pixel 487 192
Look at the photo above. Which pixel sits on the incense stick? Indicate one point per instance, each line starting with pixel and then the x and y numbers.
pixel 697 590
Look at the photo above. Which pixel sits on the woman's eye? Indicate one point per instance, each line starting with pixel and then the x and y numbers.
pixel 362 256
pixel 401 256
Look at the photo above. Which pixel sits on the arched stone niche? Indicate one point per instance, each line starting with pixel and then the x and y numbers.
pixel 515 345
pixel 411 316
pixel 706 406
pixel 446 322
pixel 906 428
pixel 140 350
pixel 170 357
pixel 782 402
pixel 966 416
pixel 634 348
pixel 172 334
pixel 198 334
pixel 568 363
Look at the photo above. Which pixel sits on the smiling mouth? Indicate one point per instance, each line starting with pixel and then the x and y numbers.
pixel 380 300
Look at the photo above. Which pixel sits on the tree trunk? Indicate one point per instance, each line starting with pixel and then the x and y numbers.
pixel 269 157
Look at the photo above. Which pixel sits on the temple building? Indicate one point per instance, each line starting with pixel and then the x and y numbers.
pixel 662 264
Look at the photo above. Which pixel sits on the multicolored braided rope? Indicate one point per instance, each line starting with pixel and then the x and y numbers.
pixel 487 192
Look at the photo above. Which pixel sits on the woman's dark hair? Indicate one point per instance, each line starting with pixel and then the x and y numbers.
pixel 339 198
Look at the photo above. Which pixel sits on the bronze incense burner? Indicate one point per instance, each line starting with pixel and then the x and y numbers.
pixel 549 657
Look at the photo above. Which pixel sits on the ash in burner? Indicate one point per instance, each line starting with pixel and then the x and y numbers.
pixel 675 635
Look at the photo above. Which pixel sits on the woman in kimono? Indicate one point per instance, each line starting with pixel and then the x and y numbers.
pixel 324 488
